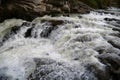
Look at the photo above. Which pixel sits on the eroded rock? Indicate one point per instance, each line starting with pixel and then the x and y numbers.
pixel 30 9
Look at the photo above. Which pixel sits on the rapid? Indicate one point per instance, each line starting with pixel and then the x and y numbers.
pixel 42 50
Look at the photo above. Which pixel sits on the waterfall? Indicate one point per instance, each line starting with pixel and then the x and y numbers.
pixel 42 50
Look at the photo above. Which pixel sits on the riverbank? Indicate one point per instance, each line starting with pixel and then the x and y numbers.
pixel 30 9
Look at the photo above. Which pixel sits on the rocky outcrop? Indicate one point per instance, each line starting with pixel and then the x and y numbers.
pixel 29 9
pixel 102 4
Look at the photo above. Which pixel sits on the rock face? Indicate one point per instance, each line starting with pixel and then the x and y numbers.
pixel 102 3
pixel 29 9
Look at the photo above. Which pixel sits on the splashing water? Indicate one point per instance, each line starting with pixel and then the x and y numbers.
pixel 62 54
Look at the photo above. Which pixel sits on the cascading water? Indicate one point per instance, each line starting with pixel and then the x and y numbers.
pixel 41 51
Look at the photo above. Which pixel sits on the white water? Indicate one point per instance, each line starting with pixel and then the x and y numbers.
pixel 74 43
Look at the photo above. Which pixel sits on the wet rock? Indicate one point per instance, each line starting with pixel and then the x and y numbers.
pixel 102 3
pixel 66 15
pixel 2 77
pixel 116 29
pixel 116 35
pixel 80 16
pixel 54 25
pixel 100 74
pixel 107 49
pixel 26 24
pixel 111 19
pixel 114 41
pixel 30 9
pixel 14 30
pixel 28 32
pixel 114 24
pixel 2 74
pixel 113 62
pixel 114 44
pixel 46 32
pixel 53 22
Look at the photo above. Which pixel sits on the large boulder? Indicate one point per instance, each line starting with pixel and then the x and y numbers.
pixel 30 9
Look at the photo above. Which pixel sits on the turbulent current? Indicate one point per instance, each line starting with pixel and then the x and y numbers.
pixel 59 48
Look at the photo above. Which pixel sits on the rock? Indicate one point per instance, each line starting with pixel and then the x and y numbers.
pixel 15 29
pixel 116 29
pixel 27 24
pixel 2 74
pixel 30 9
pixel 100 4
pixel 113 62
pixel 3 77
pixel 100 74
pixel 12 32
pixel 46 32
pixel 28 32
pixel 114 43
pixel 111 19
pixel 53 22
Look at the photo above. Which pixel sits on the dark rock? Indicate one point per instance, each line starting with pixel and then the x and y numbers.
pixel 52 25
pixel 28 32
pixel 26 24
pixel 114 41
pixel 102 4
pixel 30 9
pixel 80 16
pixel 116 34
pixel 113 62
pixel 77 26
pixel 116 29
pixel 100 74
pixel 53 22
pixel 116 45
pixel 111 19
pixel 3 75
pixel 47 30
pixel 12 32
pixel 115 24
pixel 66 15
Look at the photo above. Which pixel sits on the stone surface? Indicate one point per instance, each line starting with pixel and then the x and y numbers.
pixel 30 9
pixel 113 62
pixel 102 3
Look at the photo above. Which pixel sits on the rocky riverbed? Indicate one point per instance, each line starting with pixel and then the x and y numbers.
pixel 74 47
pixel 59 40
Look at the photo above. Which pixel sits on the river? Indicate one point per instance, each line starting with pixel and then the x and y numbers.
pixel 37 51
